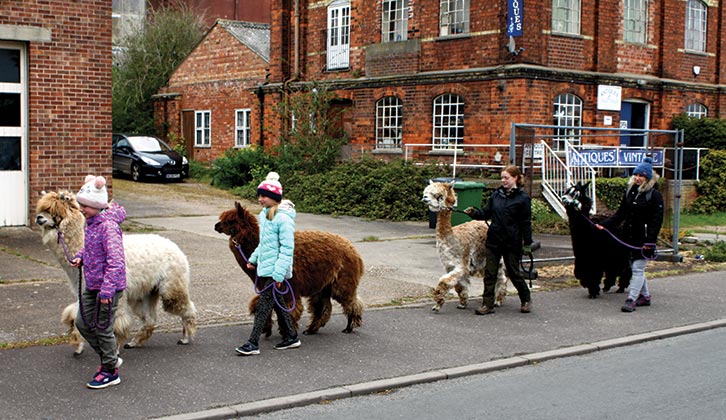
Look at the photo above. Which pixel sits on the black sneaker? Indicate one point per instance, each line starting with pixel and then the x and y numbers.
pixel 629 306
pixel 248 349
pixel 288 343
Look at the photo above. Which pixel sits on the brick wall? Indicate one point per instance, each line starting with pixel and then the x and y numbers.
pixel 219 76
pixel 69 91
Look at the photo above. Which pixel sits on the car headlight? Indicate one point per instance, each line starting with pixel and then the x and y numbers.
pixel 150 161
pixel 184 160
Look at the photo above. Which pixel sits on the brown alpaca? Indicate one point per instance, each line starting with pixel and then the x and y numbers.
pixel 460 248
pixel 325 266
pixel 156 269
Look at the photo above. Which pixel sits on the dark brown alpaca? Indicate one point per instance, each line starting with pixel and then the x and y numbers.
pixel 325 266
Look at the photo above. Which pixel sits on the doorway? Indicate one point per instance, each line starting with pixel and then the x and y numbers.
pixel 634 115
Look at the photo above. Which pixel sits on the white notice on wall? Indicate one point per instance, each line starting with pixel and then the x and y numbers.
pixel 608 97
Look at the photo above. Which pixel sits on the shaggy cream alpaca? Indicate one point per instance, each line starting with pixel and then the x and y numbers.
pixel 460 248
pixel 155 269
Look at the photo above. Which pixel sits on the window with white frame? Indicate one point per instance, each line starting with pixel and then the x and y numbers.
pixel 696 13
pixel 697 110
pixel 389 123
pixel 568 116
pixel 448 124
pixel 202 128
pixel 242 128
pixel 453 17
pixel 338 53
pixel 566 16
pixel 636 21
pixel 394 23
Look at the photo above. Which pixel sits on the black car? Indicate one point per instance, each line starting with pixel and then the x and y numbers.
pixel 144 157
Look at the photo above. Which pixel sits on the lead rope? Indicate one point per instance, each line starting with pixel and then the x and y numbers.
pixel 635 248
pixel 275 290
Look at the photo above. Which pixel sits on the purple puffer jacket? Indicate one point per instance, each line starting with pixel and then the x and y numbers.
pixel 104 262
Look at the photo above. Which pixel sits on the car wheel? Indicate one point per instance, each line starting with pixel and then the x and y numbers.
pixel 135 172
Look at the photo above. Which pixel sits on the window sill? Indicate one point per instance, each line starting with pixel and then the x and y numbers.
pixel 389 151
pixel 568 35
pixel 696 52
pixel 446 152
pixel 202 146
pixel 452 37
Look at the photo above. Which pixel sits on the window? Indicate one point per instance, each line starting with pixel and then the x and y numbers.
pixel 394 24
pixel 454 17
pixel 203 128
pixel 338 35
pixel 636 21
pixel 448 121
pixel 566 16
pixel 697 110
pixel 568 115
pixel 242 128
pixel 389 123
pixel 696 13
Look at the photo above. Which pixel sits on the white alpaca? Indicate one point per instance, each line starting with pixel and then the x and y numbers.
pixel 155 269
pixel 461 248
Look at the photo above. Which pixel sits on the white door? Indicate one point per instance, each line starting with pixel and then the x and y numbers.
pixel 13 141
pixel 339 35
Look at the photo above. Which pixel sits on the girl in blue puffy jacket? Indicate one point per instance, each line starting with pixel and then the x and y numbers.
pixel 273 261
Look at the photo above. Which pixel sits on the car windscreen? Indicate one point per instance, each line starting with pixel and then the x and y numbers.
pixel 147 144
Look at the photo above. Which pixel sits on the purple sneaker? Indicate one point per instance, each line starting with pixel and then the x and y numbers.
pixel 642 301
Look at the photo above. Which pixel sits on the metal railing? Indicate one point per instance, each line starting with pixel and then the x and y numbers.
pixel 558 176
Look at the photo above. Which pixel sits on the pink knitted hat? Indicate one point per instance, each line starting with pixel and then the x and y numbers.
pixel 271 187
pixel 93 193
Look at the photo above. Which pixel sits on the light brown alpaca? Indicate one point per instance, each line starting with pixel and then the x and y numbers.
pixel 461 248
pixel 156 269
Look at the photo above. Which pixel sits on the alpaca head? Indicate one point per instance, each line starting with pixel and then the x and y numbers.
pixel 55 208
pixel 439 196
pixel 576 197
pixel 238 223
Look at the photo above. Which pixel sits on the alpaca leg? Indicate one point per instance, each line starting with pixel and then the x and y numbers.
pixel 500 290
pixel 354 310
pixel 462 289
pixel 446 283
pixel 345 292
pixel 175 300
pixel 319 308
pixel 68 318
pixel 146 311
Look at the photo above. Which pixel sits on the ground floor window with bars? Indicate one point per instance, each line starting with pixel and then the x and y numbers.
pixel 389 123
pixel 448 121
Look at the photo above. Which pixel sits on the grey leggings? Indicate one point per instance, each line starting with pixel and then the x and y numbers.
pixel 102 340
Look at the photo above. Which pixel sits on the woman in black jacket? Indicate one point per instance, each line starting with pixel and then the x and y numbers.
pixel 510 234
pixel 641 213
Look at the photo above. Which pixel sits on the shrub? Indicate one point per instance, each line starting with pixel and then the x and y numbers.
pixel 712 187
pixel 701 132
pixel 239 167
pixel 610 191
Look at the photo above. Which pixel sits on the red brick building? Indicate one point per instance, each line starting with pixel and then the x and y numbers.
pixel 241 10
pixel 446 72
pixel 55 99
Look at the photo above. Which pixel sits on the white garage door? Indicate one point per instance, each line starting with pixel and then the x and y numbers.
pixel 13 144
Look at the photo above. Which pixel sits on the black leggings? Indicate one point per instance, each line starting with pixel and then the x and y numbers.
pixel 265 305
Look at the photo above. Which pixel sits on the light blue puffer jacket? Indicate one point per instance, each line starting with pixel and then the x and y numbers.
pixel 273 256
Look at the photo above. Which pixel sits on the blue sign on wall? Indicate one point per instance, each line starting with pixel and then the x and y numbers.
pixel 515 17
pixel 614 157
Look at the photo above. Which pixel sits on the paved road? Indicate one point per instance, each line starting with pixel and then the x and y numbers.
pixel 657 380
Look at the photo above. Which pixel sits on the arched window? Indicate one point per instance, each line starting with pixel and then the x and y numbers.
pixel 568 115
pixel 696 13
pixel 697 110
pixel 448 124
pixel 389 123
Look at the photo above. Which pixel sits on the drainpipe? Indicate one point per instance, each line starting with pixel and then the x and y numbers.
pixel 261 98
pixel 296 52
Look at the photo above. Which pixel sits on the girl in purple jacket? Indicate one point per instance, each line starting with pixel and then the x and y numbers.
pixel 104 263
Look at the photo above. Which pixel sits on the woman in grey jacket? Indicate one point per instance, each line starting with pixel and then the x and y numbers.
pixel 272 259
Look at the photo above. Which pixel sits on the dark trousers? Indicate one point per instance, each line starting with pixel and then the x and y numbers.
pixel 99 333
pixel 265 305
pixel 511 263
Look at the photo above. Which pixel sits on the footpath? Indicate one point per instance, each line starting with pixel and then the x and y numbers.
pixel 401 342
